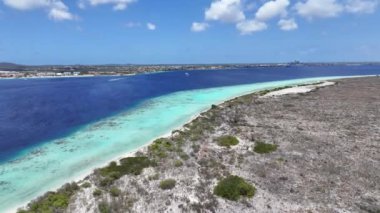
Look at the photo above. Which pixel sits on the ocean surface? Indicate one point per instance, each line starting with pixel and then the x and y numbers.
pixel 54 130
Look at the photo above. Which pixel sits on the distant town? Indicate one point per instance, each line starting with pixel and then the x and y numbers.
pixel 10 70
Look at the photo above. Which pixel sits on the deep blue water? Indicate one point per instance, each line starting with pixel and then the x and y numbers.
pixel 36 110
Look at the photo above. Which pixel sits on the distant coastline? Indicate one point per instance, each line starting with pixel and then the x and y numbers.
pixel 14 71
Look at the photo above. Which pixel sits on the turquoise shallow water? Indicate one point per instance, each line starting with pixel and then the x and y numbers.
pixel 65 159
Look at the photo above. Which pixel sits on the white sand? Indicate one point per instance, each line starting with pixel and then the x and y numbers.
pixel 299 89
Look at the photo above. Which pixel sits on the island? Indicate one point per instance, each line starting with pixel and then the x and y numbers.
pixel 308 148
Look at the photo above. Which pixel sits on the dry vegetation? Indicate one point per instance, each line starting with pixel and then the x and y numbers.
pixel 316 152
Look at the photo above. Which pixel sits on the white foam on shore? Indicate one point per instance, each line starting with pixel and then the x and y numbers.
pixel 71 158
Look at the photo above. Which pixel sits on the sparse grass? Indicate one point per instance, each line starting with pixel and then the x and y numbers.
pixel 167 184
pixel 233 187
pixel 227 141
pixel 264 148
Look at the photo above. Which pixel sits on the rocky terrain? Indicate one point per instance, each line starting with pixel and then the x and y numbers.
pixel 320 153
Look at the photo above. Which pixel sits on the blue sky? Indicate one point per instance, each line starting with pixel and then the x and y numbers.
pixel 188 31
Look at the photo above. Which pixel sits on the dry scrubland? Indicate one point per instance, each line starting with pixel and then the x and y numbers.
pixel 312 152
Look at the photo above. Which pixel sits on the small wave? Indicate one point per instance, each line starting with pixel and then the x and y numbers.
pixel 115 79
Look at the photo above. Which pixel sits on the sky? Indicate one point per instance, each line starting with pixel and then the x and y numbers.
pixel 37 32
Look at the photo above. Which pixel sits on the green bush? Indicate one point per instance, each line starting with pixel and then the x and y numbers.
pixel 52 201
pixel 130 165
pixel 227 141
pixel 233 187
pixel 183 156
pixel 97 192
pixel 106 181
pixel 115 192
pixel 196 148
pixel 178 163
pixel 167 184
pixel 154 177
pixel 264 148
pixel 160 146
pixel 86 185
pixel 104 207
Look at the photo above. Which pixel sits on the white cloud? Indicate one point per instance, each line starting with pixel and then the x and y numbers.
pixel 287 24
pixel 236 12
pixel 319 8
pixel 225 11
pixel 199 27
pixel 361 6
pixel 60 15
pixel 57 10
pixel 272 9
pixel 26 4
pixel 250 26
pixel 150 26
pixel 132 24
pixel 117 4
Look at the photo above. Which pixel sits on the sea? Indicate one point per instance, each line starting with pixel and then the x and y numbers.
pixel 56 130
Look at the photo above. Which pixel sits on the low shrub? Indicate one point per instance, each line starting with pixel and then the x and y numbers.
pixel 154 177
pixel 196 148
pixel 160 146
pixel 264 148
pixel 167 184
pixel 233 187
pixel 130 165
pixel 115 192
pixel 178 163
pixel 97 192
pixel 86 185
pixel 52 201
pixel 184 156
pixel 227 141
pixel 104 207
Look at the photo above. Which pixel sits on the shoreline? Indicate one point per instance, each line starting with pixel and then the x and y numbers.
pixel 80 178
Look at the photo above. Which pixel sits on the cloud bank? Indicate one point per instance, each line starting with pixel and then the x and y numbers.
pixel 241 12
pixel 56 9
